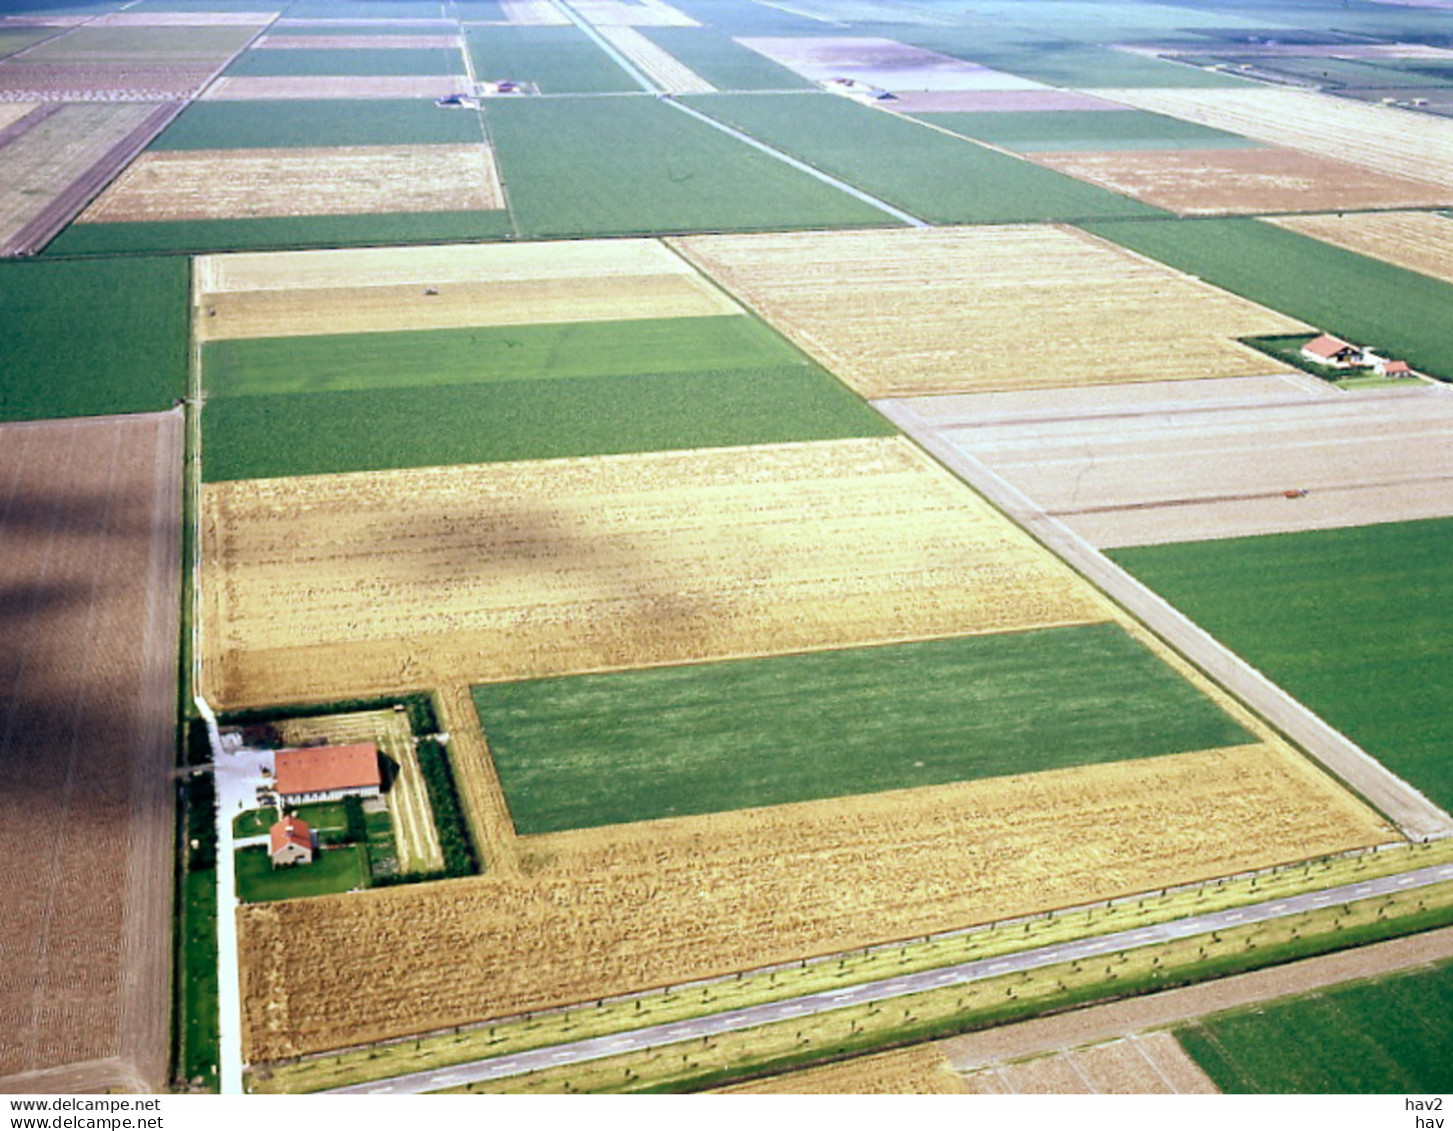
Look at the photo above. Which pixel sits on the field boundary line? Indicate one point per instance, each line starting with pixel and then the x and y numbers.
pixel 486 810
pixel 1408 808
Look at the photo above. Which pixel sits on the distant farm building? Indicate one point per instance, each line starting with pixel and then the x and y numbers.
pixel 327 773
pixel 291 841
pixel 1327 350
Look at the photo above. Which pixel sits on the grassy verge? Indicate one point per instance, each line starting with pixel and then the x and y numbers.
pixel 594 1019
pixel 712 1061
pixel 196 936
pixel 582 751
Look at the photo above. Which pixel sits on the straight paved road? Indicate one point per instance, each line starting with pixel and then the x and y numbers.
pixel 869 992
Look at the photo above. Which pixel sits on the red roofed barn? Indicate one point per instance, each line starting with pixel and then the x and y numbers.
pixel 327 773
pixel 291 842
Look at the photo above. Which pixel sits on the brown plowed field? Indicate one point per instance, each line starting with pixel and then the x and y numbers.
pixel 89 518
pixel 246 88
pixel 368 290
pixel 1207 182
pixel 916 1071
pixel 22 80
pixel 183 19
pixel 1419 241
pixel 1395 142
pixel 628 907
pixel 240 183
pixel 1169 472
pixel 334 586
pixel 975 309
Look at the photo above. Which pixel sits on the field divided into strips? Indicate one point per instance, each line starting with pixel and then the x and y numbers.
pixel 620 166
pixel 918 1071
pixel 85 339
pixel 930 174
pixel 349 61
pixel 484 354
pixel 1386 1035
pixel 1030 131
pixel 1399 313
pixel 724 62
pixel 1418 241
pixel 571 566
pixel 207 44
pixel 662 902
pixel 360 88
pixel 559 60
pixel 91 573
pixel 985 308
pixel 1355 623
pixel 317 123
pixel 591 750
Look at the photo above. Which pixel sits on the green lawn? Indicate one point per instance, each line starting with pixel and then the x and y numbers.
pixel 302 123
pixel 622 166
pixel 724 62
pixel 1040 131
pixel 338 362
pixel 934 176
pixel 269 63
pixel 280 232
pixel 333 870
pixel 1356 623
pixel 1397 312
pixel 560 60
pixel 323 815
pixel 86 339
pixel 581 751
pixel 1389 1035
pixel 375 429
pixel 198 1044
pixel 254 822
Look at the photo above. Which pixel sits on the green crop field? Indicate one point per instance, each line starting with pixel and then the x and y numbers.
pixel 85 339
pixel 736 18
pixel 333 870
pixel 621 166
pixel 376 429
pixel 724 62
pixel 560 60
pixel 590 750
pixel 1356 623
pixel 1387 1035
pixel 1031 131
pixel 338 362
pixel 1394 311
pixel 16 39
pixel 280 232
pixel 927 173
pixel 144 45
pixel 329 30
pixel 350 61
pixel 307 124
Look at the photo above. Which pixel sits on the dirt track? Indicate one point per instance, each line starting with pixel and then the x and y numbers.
pixel 88 583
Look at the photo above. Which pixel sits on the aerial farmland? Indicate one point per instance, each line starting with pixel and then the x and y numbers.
pixel 726 546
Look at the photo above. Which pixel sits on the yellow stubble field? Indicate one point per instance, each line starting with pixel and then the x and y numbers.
pixel 956 310
pixel 344 180
pixel 603 911
pixel 1419 241
pixel 364 290
pixel 343 585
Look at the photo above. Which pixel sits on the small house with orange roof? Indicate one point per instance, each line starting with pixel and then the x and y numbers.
pixel 1327 350
pixel 291 841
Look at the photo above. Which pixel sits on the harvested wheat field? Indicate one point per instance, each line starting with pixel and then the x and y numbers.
pixel 917 1071
pixel 658 64
pixel 1212 182
pixel 1152 1064
pixel 1419 241
pixel 605 911
pixel 343 585
pixel 986 308
pixel 238 183
pixel 618 13
pixel 255 88
pixel 1399 143
pixel 367 290
pixel 351 42
pixel 13 112
pixel 183 19
pixel 22 79
pixel 90 577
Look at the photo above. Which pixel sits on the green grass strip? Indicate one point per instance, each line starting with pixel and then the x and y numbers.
pixel 468 355
pixel 273 63
pixel 559 60
pixel 724 62
pixel 1356 623
pixel 377 429
pixel 930 174
pixel 86 339
pixel 1394 311
pixel 1099 130
pixel 581 751
pixel 304 123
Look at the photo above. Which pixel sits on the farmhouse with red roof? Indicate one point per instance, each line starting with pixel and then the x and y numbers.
pixel 1327 350
pixel 291 841
pixel 327 773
